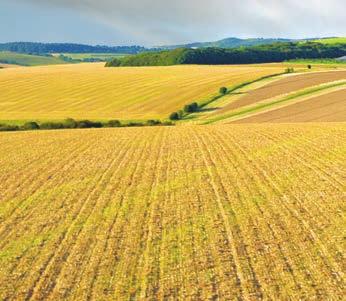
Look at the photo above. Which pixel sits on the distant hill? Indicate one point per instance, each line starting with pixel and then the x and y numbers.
pixel 277 52
pixel 332 40
pixel 229 43
pixel 22 59
pixel 40 48
pixel 236 42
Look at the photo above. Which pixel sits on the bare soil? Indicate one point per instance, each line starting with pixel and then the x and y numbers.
pixel 330 107
pixel 283 86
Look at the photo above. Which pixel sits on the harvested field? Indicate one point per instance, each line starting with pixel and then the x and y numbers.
pixel 329 107
pixel 7 66
pixel 283 86
pixel 94 92
pixel 231 212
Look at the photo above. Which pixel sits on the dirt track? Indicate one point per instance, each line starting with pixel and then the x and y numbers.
pixel 283 86
pixel 324 108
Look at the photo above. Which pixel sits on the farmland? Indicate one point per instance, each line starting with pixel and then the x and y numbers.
pixel 191 213
pixel 277 91
pixel 22 59
pixel 330 107
pixel 81 56
pixel 94 92
pixel 339 40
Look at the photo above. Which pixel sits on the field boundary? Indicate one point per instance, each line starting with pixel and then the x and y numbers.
pixel 231 90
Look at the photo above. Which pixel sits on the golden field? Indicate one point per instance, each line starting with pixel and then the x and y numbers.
pixel 227 212
pixel 94 92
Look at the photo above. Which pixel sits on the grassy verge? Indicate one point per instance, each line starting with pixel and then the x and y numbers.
pixel 259 107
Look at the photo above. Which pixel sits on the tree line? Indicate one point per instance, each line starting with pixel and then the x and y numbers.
pixel 277 52
pixel 44 48
pixel 71 123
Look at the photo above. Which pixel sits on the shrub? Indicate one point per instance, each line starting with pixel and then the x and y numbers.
pixel 223 90
pixel 84 124
pixel 289 70
pixel 190 108
pixel 309 66
pixel 181 114
pixel 70 123
pixel 8 128
pixel 114 123
pixel 51 125
pixel 167 123
pixel 31 126
pixel 174 116
pixel 131 124
pixel 152 122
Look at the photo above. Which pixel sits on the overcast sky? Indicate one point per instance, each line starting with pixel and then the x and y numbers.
pixel 157 22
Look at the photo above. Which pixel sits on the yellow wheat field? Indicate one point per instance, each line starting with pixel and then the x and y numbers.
pixel 94 92
pixel 231 212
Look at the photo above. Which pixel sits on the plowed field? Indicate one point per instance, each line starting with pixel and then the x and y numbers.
pixel 329 107
pixel 229 212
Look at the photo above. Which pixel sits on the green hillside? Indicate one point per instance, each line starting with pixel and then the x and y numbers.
pixel 277 52
pixel 230 43
pixel 332 41
pixel 14 58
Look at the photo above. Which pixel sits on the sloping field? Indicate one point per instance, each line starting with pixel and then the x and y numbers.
pixel 23 59
pixel 92 91
pixel 339 40
pixel 283 86
pixel 329 107
pixel 7 65
pixel 184 213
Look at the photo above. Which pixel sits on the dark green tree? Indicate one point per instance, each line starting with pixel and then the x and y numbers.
pixel 174 116
pixel 31 126
pixel 223 90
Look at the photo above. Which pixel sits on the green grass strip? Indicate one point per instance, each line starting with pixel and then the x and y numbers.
pixel 231 90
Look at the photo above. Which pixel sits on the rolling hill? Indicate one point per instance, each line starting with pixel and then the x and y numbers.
pixel 277 52
pixel 237 42
pixel 229 43
pixel 22 59
pixel 219 212
pixel 94 92
pixel 284 92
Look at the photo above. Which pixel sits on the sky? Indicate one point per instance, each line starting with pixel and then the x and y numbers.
pixel 163 22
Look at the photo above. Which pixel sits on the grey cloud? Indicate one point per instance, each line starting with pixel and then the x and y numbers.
pixel 158 22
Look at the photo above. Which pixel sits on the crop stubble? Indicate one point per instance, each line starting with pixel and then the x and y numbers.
pixel 183 213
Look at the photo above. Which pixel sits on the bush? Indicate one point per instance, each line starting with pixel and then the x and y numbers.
pixel 289 70
pixel 31 126
pixel 132 124
pixel 167 123
pixel 223 90
pixel 84 124
pixel 192 107
pixel 174 116
pixel 8 128
pixel 181 114
pixel 309 66
pixel 70 123
pixel 51 125
pixel 113 123
pixel 152 122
